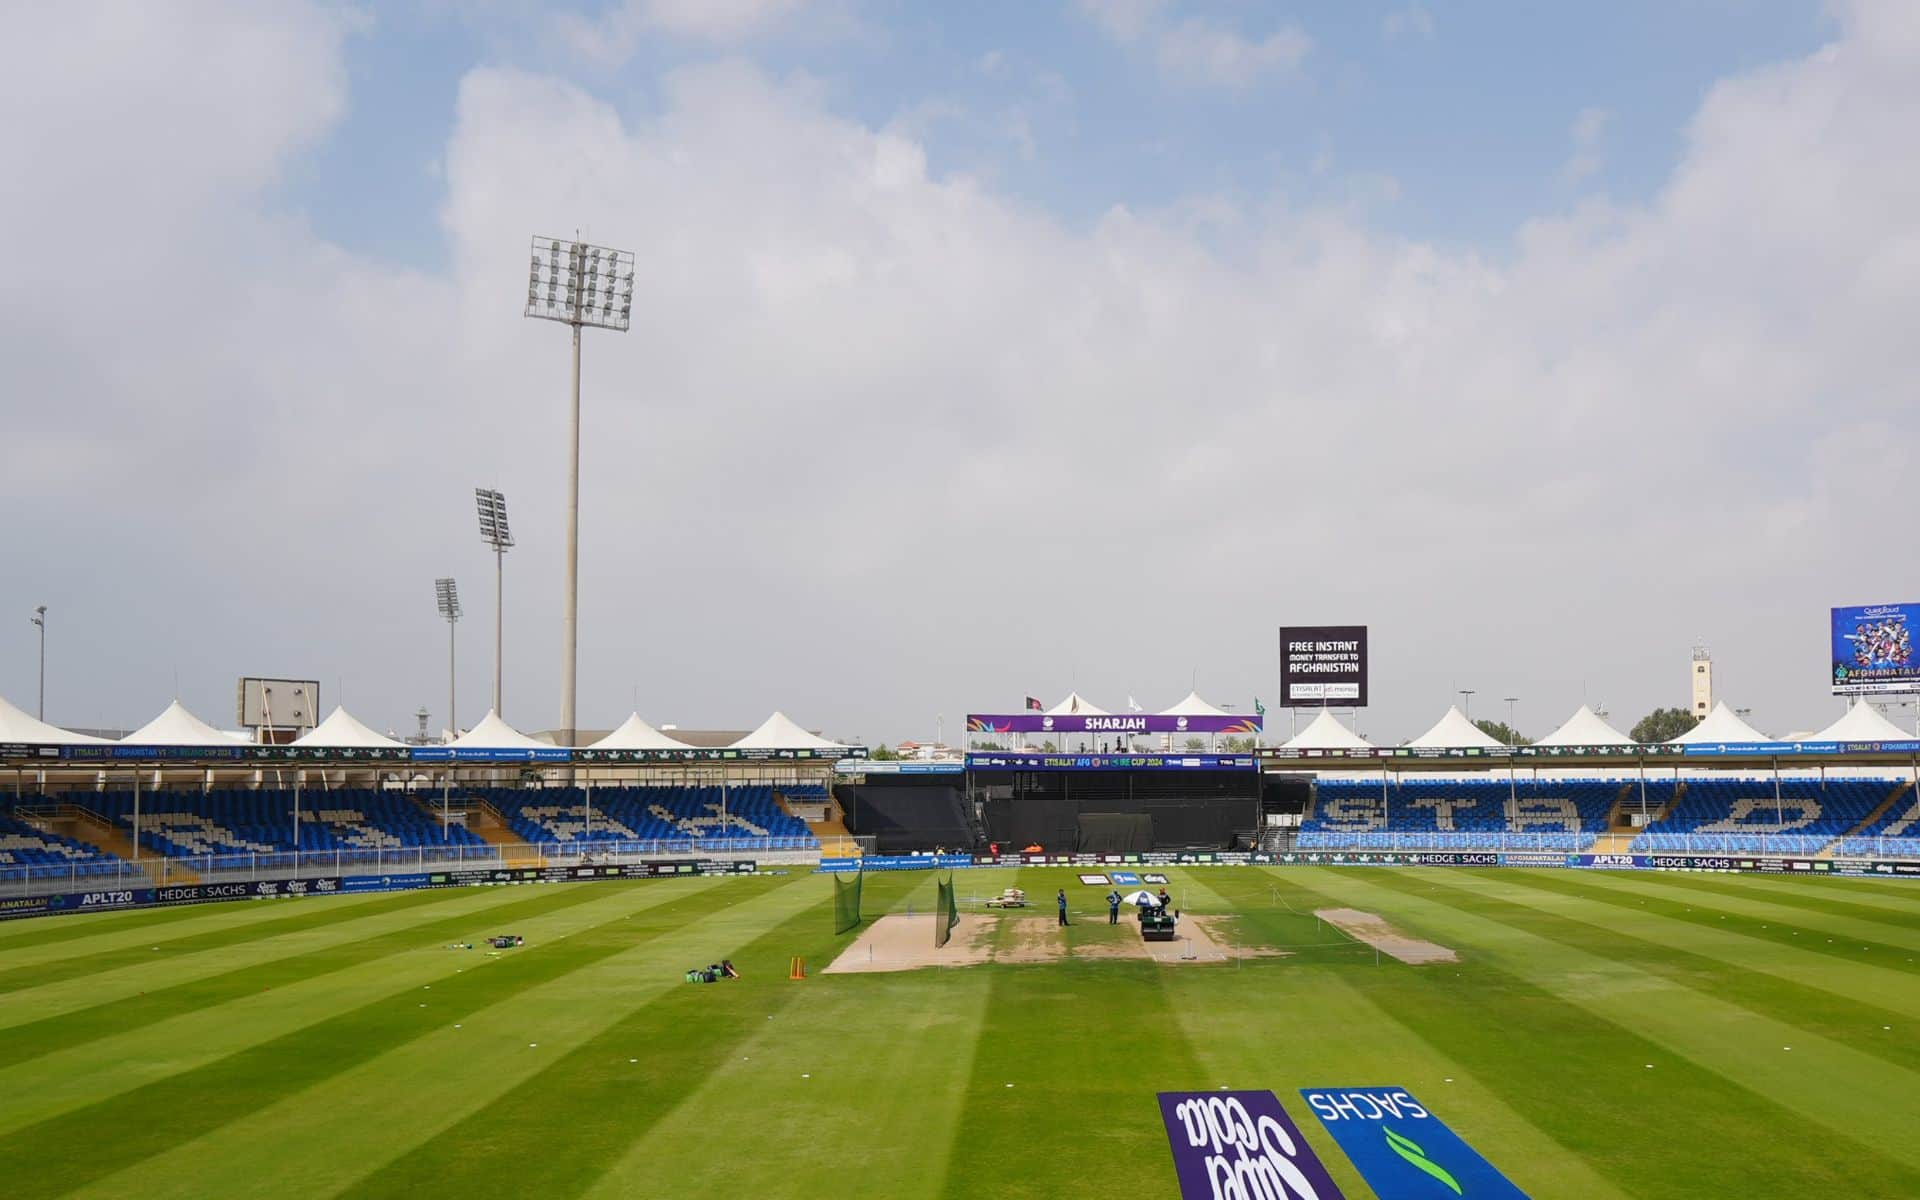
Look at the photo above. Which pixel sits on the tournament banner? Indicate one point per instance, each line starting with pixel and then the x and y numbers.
pixel 1241 1144
pixel 1097 723
pixel 1401 1149
pixel 1323 666
pixel 1872 649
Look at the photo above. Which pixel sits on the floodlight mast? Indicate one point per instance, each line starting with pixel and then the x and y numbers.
pixel 495 532
pixel 447 594
pixel 577 284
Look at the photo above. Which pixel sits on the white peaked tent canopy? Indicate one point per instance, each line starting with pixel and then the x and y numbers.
pixel 778 732
pixel 635 734
pixel 178 727
pixel 1453 732
pixel 1585 728
pixel 342 731
pixel 494 734
pixel 1325 732
pixel 1194 706
pixel 1863 723
pixel 16 726
pixel 1076 706
pixel 1721 725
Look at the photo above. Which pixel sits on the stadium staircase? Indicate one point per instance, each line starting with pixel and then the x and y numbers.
pixel 85 825
pixel 1893 797
pixel 485 822
pixel 831 829
pixel 1620 827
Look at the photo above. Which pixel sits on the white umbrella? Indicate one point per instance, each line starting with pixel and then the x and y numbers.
pixel 1143 896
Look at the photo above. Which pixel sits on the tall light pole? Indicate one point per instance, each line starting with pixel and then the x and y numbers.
pixel 447 594
pixel 581 285
pixel 1466 697
pixel 1513 735
pixel 494 532
pixel 39 618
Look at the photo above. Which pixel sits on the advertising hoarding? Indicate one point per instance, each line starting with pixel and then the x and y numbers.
pixel 1871 651
pixel 1323 666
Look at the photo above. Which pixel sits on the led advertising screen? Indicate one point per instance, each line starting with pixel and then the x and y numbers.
pixel 1323 666
pixel 1872 649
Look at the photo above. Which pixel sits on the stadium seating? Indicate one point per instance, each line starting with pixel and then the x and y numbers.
pixel 1469 814
pixel 1708 815
pixel 26 852
pixel 261 822
pixel 648 814
pixel 1747 816
pixel 1894 832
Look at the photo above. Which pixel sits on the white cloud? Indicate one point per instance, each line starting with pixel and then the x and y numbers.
pixel 877 427
pixel 1411 21
pixel 1588 129
pixel 1197 50
pixel 611 37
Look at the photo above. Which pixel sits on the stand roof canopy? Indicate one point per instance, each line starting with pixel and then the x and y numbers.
pixel 1454 731
pixel 17 726
pixel 778 732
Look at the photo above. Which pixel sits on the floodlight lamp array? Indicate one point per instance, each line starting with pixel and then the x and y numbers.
pixel 448 596
pixel 494 530
pixel 577 283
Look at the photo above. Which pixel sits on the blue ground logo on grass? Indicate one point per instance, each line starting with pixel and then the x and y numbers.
pixel 1243 1146
pixel 1401 1149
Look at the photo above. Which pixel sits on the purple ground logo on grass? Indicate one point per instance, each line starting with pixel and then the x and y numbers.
pixel 1241 1146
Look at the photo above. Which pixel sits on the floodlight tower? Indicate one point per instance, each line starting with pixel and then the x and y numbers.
pixel 495 533
pixel 580 285
pixel 39 618
pixel 448 596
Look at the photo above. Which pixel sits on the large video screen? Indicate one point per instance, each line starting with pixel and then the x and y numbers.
pixel 1873 649
pixel 1323 666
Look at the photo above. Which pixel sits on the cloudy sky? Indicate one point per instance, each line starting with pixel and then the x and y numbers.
pixel 978 350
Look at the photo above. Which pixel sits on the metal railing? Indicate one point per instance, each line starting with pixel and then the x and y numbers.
pixel 108 874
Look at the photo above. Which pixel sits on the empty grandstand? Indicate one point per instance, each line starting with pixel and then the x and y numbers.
pixel 1458 814
pixel 28 853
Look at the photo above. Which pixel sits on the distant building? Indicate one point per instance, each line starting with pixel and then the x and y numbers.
pixel 1702 682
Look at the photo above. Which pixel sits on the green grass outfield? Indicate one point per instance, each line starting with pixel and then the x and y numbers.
pixel 1605 1035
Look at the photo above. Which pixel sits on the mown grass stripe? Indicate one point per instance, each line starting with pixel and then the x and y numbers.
pixel 23 933
pixel 386 1103
pixel 1290 1023
pixel 1881 937
pixel 1705 917
pixel 1546 1058
pixel 205 918
pixel 250 980
pixel 1805 899
pixel 590 1102
pixel 125 984
pixel 66 1152
pixel 1782 983
pixel 286 917
pixel 1832 1085
pixel 139 1055
pixel 1031 1036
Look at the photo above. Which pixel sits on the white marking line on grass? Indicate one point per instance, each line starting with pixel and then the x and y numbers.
pixel 1716 1034
pixel 446 1083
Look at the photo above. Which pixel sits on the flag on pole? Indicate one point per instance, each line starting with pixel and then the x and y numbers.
pixel 1132 705
pixel 1034 705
